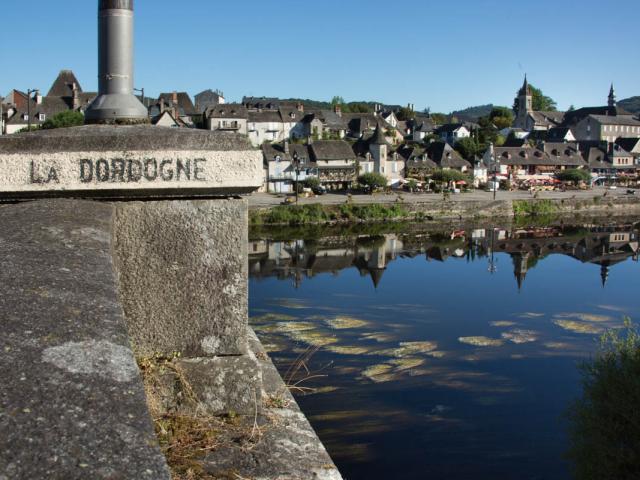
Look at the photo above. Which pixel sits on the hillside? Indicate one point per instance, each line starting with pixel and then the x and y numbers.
pixel 631 104
pixel 472 114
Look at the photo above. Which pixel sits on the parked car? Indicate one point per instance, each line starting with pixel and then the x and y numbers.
pixel 319 190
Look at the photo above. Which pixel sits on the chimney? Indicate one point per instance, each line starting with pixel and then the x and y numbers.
pixel 38 98
pixel 286 146
pixel 75 97
pixel 163 105
pixel 300 107
pixel 174 99
pixel 338 110
pixel 115 102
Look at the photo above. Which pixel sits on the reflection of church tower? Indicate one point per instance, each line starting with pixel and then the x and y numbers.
pixel 604 274
pixel 612 97
pixel 377 264
pixel 524 104
pixel 520 267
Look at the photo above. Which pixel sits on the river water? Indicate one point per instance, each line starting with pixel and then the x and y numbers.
pixel 441 352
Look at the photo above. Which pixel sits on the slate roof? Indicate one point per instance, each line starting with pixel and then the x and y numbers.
pixel 552 154
pixel 629 144
pixel 228 110
pixel 332 120
pixel 445 156
pixel 575 116
pixel 558 134
pixel 265 116
pixel 185 105
pixel 378 137
pixel 607 120
pixel 565 153
pixel 273 150
pixel 330 150
pixel 548 119
pixel 62 85
pixel 449 128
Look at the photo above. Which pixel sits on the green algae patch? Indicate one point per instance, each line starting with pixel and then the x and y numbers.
pixel 290 304
pixel 378 337
pixel 321 390
pixel 531 315
pixel 481 341
pixel 403 364
pixel 503 324
pixel 379 373
pixel 272 317
pixel 518 336
pixel 346 323
pixel 347 350
pixel 312 337
pixel 557 345
pixel 578 327
pixel 585 317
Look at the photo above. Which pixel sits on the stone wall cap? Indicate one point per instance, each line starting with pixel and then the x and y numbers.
pixel 121 138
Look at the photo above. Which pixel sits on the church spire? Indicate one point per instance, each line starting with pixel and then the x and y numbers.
pixel 612 97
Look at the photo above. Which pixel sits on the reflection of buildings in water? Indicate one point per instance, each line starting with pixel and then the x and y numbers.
pixel 371 255
pixel 299 260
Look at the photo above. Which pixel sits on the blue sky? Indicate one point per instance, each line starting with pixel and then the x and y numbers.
pixel 439 54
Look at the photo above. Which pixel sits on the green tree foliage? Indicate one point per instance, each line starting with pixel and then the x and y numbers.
pixel 405 114
pixel 373 180
pixel 448 176
pixel 469 148
pixel 312 182
pixel 337 100
pixel 65 119
pixel 541 102
pixel 501 117
pixel 605 422
pixel 575 175
pixel 439 118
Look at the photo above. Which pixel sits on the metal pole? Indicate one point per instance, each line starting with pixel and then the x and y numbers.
pixel 29 110
pixel 115 102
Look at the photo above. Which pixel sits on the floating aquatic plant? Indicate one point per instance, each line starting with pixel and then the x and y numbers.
pixel 345 323
pixel 481 341
pixel 520 336
pixel 578 327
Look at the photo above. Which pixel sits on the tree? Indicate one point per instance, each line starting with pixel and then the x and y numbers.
pixel 604 428
pixel 439 118
pixel 541 102
pixel 469 148
pixel 405 114
pixel 575 175
pixel 501 117
pixel 65 119
pixel 337 101
pixel 373 180
pixel 446 176
pixel 312 182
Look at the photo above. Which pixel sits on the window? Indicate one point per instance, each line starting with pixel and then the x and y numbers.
pixel 26 117
pixel 42 117
pixel 394 167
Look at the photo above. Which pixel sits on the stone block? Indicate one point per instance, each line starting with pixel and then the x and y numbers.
pixel 182 270
pixel 72 404
pixel 224 384
pixel 127 162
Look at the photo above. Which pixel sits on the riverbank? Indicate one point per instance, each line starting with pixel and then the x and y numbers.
pixel 420 208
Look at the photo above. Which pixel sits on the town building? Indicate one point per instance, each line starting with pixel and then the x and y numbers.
pixel 66 94
pixel 530 120
pixel 452 133
pixel 335 162
pixel 208 99
pixel 229 117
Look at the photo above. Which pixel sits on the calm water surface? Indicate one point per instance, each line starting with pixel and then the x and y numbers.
pixel 443 353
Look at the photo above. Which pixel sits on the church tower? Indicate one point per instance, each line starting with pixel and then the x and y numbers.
pixel 378 147
pixel 612 97
pixel 524 104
